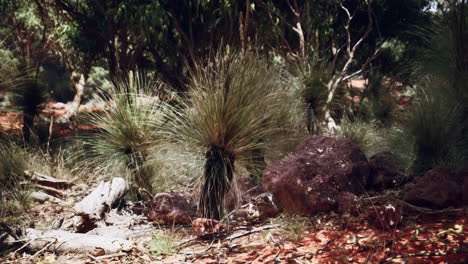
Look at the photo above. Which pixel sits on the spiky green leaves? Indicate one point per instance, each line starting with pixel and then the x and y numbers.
pixel 127 130
pixel 233 110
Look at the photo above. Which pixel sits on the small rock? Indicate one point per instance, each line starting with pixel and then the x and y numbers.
pixel 172 208
pixel 203 226
pixel 387 217
pixel 260 207
pixel 438 188
pixel 384 173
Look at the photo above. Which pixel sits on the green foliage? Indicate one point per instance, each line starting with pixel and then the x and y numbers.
pixel 363 133
pixel 294 226
pixel 163 243
pixel 231 117
pixel 98 80
pixel 377 104
pixel 127 130
pixel 438 120
pixel 438 135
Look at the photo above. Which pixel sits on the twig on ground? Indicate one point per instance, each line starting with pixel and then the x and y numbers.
pixel 253 230
pixel 121 254
pixel 94 258
pixel 6 228
pixel 44 248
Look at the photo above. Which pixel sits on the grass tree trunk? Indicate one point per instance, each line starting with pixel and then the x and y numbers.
pixel 28 124
pixel 218 175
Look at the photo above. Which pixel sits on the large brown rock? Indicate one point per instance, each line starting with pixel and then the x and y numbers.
pixel 172 208
pixel 384 173
pixel 310 178
pixel 438 188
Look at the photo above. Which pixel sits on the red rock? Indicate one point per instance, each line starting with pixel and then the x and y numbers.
pixel 348 203
pixel 202 226
pixel 387 217
pixel 172 208
pixel 310 178
pixel 438 188
pixel 384 173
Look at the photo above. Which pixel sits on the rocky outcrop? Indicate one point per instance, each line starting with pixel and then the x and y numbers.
pixel 438 188
pixel 172 208
pixel 310 178
pixel 384 173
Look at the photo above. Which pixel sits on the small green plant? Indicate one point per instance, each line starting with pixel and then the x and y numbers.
pixel 163 244
pixel 294 226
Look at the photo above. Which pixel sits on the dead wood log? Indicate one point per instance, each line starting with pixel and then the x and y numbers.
pixel 101 199
pixel 45 180
pixel 49 190
pixel 92 209
pixel 65 242
pixel 120 231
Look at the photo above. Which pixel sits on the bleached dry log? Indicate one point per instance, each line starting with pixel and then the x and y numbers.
pixel 90 211
pixel 65 242
pixel 102 198
pixel 120 231
pixel 42 197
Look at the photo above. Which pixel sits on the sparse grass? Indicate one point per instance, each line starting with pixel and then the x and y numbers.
pixel 294 226
pixel 163 243
pixel 14 193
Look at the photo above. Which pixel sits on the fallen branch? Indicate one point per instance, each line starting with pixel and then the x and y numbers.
pixel 45 180
pixel 65 242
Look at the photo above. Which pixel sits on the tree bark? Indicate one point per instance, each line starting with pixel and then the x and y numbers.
pixel 78 83
pixel 219 169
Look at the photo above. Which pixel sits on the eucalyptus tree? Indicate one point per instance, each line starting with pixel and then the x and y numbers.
pixel 346 36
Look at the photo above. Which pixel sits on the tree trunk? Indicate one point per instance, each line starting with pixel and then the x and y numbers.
pixel 219 169
pixel 78 85
pixel 28 124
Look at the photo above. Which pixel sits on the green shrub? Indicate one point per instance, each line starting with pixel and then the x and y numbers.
pixel 13 162
pixel 363 133
pixel 126 131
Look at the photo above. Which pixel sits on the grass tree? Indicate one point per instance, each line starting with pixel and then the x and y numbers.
pixel 230 116
pixel 127 130
pixel 438 120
